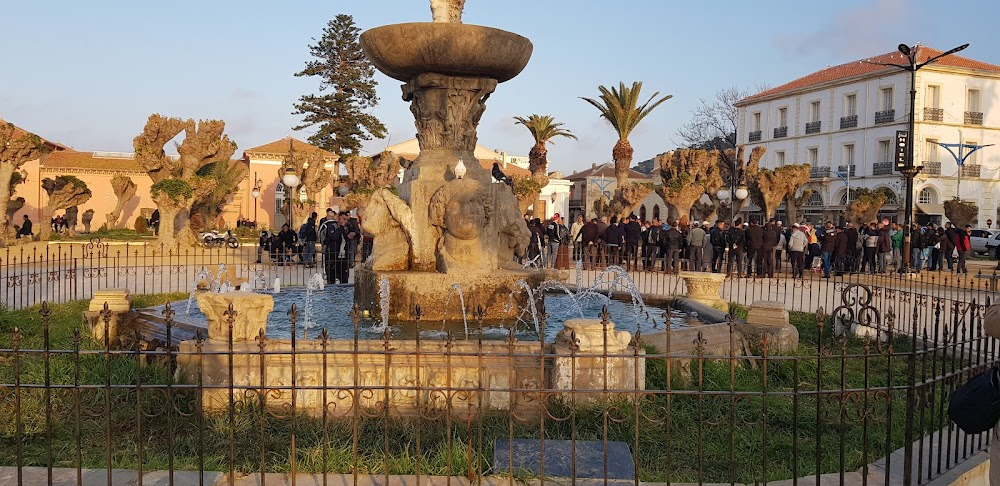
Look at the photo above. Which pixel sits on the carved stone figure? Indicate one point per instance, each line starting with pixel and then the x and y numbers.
pixel 389 219
pixel 513 234
pixel 461 210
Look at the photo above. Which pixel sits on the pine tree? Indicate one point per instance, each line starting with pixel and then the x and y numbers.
pixel 347 91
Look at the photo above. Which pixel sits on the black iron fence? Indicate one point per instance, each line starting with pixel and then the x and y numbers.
pixel 863 396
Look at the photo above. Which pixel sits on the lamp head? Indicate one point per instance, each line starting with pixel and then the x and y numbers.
pixel 723 194
pixel 905 49
pixel 255 192
pixel 343 190
pixel 742 193
pixel 290 179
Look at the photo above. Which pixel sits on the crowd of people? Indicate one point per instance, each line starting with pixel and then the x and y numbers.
pixel 337 234
pixel 752 248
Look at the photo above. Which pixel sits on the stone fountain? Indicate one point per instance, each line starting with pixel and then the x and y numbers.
pixel 450 223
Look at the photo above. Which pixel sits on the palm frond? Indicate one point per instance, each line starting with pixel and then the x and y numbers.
pixel 619 106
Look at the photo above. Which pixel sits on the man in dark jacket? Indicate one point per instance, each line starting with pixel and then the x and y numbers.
pixel 827 242
pixel 633 233
pixel 25 229
pixel 537 241
pixel 770 237
pixel 755 242
pixel 339 247
pixel 589 239
pixel 614 238
pixel 651 244
pixel 287 239
pixel 308 236
pixel 841 250
pixel 916 247
pixel 717 236
pixel 853 258
pixel 671 243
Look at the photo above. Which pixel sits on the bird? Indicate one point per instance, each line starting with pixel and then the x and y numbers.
pixel 460 169
pixel 500 176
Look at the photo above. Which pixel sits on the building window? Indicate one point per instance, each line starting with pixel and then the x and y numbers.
pixel 779 159
pixel 812 156
pixel 756 122
pixel 973 158
pixel 931 150
pixel 851 105
pixel 847 157
pixel 782 117
pixel 933 97
pixel 927 196
pixel 972 101
pixel 847 197
pixel 642 213
pixel 814 111
pixel 815 200
pixel 656 211
pixel 279 198
pixel 885 99
pixel 884 151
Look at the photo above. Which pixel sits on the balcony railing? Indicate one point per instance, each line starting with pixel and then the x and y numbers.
pixel 933 114
pixel 971 170
pixel 819 172
pixel 781 132
pixel 882 168
pixel 885 116
pixel 931 167
pixel 846 171
pixel 813 126
pixel 973 118
pixel 754 136
pixel 849 121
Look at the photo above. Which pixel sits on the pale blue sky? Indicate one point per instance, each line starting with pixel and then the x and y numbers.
pixel 87 74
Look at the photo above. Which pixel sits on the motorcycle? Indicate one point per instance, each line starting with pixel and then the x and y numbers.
pixel 215 239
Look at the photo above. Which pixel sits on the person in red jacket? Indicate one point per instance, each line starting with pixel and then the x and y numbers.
pixel 963 245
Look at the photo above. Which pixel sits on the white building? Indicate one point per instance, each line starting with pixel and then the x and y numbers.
pixel 843 120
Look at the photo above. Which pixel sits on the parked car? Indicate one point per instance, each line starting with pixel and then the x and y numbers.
pixel 993 245
pixel 980 239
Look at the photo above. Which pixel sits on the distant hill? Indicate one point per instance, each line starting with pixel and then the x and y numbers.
pixel 646 167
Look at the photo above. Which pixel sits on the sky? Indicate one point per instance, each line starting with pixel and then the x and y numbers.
pixel 88 74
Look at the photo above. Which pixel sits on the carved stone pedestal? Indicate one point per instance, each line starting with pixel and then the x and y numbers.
pixel 251 314
pixel 770 319
pixel 438 299
pixel 119 302
pixel 705 287
pixel 589 361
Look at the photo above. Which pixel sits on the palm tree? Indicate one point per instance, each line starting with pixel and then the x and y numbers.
pixel 620 107
pixel 543 129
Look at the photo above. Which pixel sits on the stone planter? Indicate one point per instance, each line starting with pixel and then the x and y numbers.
pixel 250 319
pixel 705 287
pixel 587 360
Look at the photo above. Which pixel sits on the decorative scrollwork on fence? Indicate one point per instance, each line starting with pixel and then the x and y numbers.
pixel 856 315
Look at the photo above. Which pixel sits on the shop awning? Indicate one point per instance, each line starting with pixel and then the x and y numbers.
pixel 931 209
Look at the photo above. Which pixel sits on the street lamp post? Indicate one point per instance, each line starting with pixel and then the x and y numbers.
pixel 256 195
pixel 909 170
pixel 291 180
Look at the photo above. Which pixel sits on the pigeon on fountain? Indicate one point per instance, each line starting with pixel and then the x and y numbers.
pixel 500 176
pixel 460 169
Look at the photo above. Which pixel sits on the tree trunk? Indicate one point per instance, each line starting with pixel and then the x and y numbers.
pixel 6 172
pixel 622 153
pixel 168 217
pixel 538 164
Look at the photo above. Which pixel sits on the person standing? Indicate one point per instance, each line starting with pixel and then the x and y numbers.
pixel 633 233
pixel 963 244
pixel 308 236
pixel 537 241
pixel 25 229
pixel 855 246
pixel 916 247
pixel 896 234
pixel 614 238
pixel 770 239
pixel 797 245
pixel 884 247
pixel 869 248
pixel 706 247
pixel 343 234
pixel 651 245
pixel 327 230
pixel 779 249
pixel 563 252
pixel 574 236
pixel 671 242
pixel 695 243
pixel 154 219
pixel 841 251
pixel 735 239
pixel 287 240
pixel 552 236
pixel 717 236
pixel 755 243
pixel 827 242
pixel 589 236
pixel 948 245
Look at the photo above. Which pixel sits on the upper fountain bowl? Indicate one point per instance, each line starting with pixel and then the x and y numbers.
pixel 403 51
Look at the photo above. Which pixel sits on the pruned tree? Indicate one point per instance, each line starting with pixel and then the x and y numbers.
pixel 961 212
pixel 124 190
pixel 772 187
pixel 526 190
pixel 341 113
pixel 621 109
pixel 367 174
pixel 543 129
pixel 687 175
pixel 866 204
pixel 313 178
pixel 86 219
pixel 795 203
pixel 176 180
pixel 16 149
pixel 735 171
pixel 226 176
pixel 63 192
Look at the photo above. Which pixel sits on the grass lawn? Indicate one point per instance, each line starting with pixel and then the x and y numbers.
pixel 107 235
pixel 743 420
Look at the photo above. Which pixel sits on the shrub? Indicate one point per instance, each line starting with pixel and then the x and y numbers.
pixel 140 225
pixel 175 189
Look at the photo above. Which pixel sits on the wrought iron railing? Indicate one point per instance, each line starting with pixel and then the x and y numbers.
pixel 885 116
pixel 781 132
pixel 754 136
pixel 819 172
pixel 813 126
pixel 933 114
pixel 844 170
pixel 971 170
pixel 973 118
pixel 850 121
pixel 882 168
pixel 931 168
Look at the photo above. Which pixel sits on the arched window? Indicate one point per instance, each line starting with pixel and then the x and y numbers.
pixel 642 213
pixel 279 197
pixel 927 196
pixel 844 197
pixel 656 211
pixel 815 200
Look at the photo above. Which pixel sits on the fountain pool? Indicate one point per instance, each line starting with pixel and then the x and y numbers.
pixel 331 309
